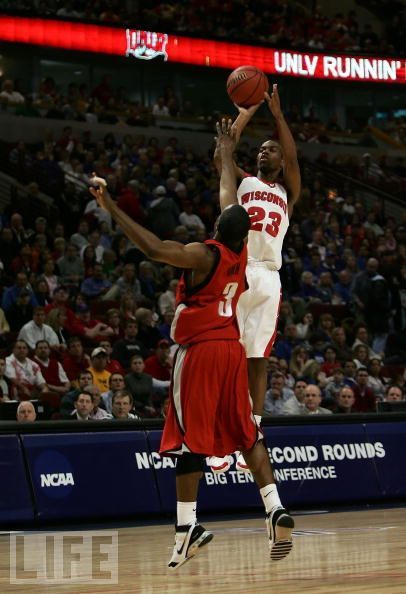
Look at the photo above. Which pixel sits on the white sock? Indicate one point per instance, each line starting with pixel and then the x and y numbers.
pixel 270 497
pixel 258 419
pixel 186 513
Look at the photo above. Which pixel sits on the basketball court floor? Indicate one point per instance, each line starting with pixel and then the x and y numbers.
pixel 335 553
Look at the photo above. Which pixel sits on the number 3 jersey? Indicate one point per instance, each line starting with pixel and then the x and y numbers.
pixel 267 206
pixel 208 311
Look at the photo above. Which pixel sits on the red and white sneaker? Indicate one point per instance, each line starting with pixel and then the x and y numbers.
pixel 218 465
pixel 241 464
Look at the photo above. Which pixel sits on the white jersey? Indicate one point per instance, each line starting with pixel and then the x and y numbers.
pixel 267 205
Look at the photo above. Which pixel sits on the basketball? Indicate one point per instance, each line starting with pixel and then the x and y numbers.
pixel 246 86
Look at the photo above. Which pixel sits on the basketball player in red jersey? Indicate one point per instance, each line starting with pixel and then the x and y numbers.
pixel 269 205
pixel 209 411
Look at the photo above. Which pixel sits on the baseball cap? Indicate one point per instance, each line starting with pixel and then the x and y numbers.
pixel 163 344
pixel 98 351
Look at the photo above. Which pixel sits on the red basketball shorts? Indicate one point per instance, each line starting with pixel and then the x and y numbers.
pixel 210 411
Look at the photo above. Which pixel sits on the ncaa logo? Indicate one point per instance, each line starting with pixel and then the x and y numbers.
pixel 146 45
pixel 53 475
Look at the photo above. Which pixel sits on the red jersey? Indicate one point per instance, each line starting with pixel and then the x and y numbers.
pixel 208 311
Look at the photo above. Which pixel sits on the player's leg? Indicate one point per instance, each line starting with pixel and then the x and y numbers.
pixel 257 379
pixel 279 523
pixel 189 535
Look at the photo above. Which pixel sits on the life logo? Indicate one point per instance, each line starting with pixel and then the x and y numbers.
pixel 53 475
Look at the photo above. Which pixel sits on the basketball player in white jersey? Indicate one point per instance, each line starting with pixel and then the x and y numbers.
pixel 270 205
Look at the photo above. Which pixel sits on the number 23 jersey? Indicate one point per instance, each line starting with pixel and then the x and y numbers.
pixel 267 206
pixel 208 311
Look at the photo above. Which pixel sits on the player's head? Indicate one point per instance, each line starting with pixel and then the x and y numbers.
pixel 270 157
pixel 233 226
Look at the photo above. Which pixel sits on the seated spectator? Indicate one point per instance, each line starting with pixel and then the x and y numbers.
pixel 189 219
pixel 294 405
pixel 308 292
pixel 339 342
pixel 325 287
pixel 163 214
pixel 128 346
pixel 84 379
pixel 159 108
pixel 345 401
pixel 56 319
pixel 113 365
pixel 11 294
pixel 167 299
pixel 159 365
pixel 71 267
pixel 325 326
pixel 333 386
pixel 92 328
pixel 301 365
pixel 4 328
pixel 73 325
pixel 80 238
pixel 96 285
pixel 49 275
pixel 350 370
pixel 114 322
pixel 276 396
pixel 75 360
pixel 4 387
pixel 140 385
pixel 36 330
pixel 83 407
pixel 284 346
pixel 330 361
pixel 98 413
pixel 376 381
pixel 9 95
pixel 24 374
pixel 98 364
pixel 362 338
pixel 127 283
pixel 166 324
pixel 122 404
pixel 312 401
pixel 342 288
pixel 26 412
pixel 52 371
pixel 365 399
pixel 305 327
pixel 116 382
pixel 360 355
pixel 21 311
pixel 393 393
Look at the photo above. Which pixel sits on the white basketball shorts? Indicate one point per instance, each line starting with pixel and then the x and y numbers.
pixel 258 309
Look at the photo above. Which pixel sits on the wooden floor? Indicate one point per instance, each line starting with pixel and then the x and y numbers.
pixel 336 553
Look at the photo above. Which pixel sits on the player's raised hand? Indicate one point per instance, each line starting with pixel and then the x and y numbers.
pixel 226 137
pixel 273 101
pixel 248 112
pixel 99 191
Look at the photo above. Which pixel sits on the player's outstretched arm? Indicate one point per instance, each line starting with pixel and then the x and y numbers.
pixel 228 179
pixel 291 170
pixel 244 116
pixel 193 255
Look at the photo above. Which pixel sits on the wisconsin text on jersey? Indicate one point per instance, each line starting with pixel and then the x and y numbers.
pixel 264 197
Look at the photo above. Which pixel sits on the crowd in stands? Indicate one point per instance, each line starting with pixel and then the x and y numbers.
pixel 279 23
pixel 85 318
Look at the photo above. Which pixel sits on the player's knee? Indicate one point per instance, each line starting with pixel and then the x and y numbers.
pixel 189 463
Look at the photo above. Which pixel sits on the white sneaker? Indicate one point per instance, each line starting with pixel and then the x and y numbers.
pixel 188 541
pixel 279 525
pixel 241 464
pixel 218 465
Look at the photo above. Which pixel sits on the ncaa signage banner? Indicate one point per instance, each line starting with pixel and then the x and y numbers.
pixel 391 467
pixel 15 498
pixel 89 475
pixel 149 45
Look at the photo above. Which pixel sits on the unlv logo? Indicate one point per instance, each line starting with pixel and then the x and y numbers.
pixel 146 45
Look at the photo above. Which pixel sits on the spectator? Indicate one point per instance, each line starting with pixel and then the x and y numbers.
pixel 83 407
pixel 24 374
pixel 330 361
pixel 26 412
pixel 345 401
pixel 305 327
pixel 163 214
pixel 113 365
pixel 52 371
pixel 71 267
pixel 365 400
pixel 276 396
pixel 342 288
pixel 339 342
pixel 56 319
pixel 130 345
pixel 350 370
pixel 312 401
pixel 12 293
pixel 127 283
pixel 165 327
pixel 9 96
pixel 4 387
pixel 393 393
pixel 36 330
pixel 160 109
pixel 376 381
pixel 98 363
pixel 148 334
pixel 189 219
pixel 83 380
pixel 140 385
pixel 159 365
pixel 294 405
pixel 116 382
pixel 75 360
pixel 80 238
pixel 301 365
pixel 98 413
pixel 21 311
pixel 4 327
pixel 121 405
pixel 362 338
pixel 167 299
pixel 284 346
pixel 333 387
pixel 360 355
pixel 95 285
